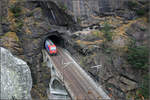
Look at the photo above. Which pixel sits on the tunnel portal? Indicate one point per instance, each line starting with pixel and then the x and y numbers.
pixel 56 39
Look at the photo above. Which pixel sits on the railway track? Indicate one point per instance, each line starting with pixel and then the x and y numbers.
pixel 79 84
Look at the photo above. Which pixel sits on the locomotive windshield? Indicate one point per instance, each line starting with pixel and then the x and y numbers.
pixel 53 48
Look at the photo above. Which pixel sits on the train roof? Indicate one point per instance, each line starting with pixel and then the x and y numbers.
pixel 49 42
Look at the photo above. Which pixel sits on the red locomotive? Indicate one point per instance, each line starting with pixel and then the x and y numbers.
pixel 50 47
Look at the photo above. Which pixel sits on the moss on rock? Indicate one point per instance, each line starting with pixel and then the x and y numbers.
pixel 11 35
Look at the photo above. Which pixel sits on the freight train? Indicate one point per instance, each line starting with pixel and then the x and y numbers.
pixel 50 47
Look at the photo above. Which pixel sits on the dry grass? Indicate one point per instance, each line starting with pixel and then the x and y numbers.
pixel 12 35
pixel 97 33
pixel 9 39
pixel 11 19
pixel 25 10
pixel 118 32
pixel 121 30
pixel 112 20
pixel 12 1
pixel 27 30
pixel 37 9
pixel 88 42
pixel 38 90
pixel 14 22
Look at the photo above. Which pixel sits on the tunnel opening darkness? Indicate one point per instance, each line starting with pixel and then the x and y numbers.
pixel 57 40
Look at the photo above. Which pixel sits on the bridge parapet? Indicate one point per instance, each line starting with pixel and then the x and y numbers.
pixel 56 85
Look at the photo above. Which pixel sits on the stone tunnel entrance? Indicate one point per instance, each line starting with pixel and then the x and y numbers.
pixel 56 39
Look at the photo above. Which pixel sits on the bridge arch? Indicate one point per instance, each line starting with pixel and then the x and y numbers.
pixel 57 87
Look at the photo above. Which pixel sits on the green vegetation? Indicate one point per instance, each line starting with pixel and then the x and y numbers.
pixel 30 14
pixel 16 10
pixel 143 90
pixel 13 98
pixel 141 12
pixel 11 35
pixel 78 20
pixel 108 50
pixel 107 31
pixel 97 33
pixel 19 23
pixel 137 56
pixel 43 64
pixel 132 4
pixel 63 7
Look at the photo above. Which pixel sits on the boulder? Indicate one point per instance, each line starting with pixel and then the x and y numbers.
pixel 138 31
pixel 16 81
pixel 127 84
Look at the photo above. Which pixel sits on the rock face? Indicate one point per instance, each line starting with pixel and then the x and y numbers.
pixel 11 41
pixel 16 81
pixel 139 32
pixel 24 32
pixel 115 74
pixel 88 10
pixel 24 36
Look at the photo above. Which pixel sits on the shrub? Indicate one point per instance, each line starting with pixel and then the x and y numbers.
pixel 30 14
pixel 140 12
pixel 144 88
pixel 78 20
pixel 132 4
pixel 63 7
pixel 108 50
pixel 138 56
pixel 107 31
pixel 16 10
pixel 19 24
pixel 96 33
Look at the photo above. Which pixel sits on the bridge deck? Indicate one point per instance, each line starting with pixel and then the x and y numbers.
pixel 79 84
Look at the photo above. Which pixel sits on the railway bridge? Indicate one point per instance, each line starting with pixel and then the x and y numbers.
pixel 69 80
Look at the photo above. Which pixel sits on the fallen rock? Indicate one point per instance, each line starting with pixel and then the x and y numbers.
pixel 16 81
pixel 127 84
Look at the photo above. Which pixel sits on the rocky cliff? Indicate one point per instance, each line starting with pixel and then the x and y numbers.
pixel 16 80
pixel 101 33
pixel 120 49
pixel 87 11
pixel 25 26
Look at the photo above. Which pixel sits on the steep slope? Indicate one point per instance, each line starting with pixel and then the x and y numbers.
pixel 104 39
